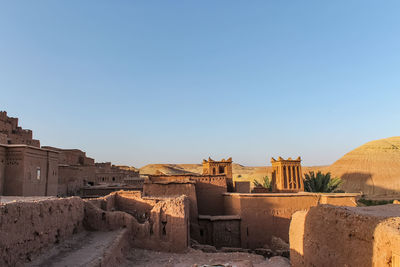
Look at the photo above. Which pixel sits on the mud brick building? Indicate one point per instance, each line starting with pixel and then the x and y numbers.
pixel 28 171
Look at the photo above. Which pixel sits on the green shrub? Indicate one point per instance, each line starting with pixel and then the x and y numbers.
pixel 266 183
pixel 320 182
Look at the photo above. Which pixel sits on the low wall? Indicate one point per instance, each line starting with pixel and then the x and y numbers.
pixel 26 228
pixel 346 236
pixel 100 191
pixel 267 215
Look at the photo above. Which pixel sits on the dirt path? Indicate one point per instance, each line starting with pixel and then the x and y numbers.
pixel 77 251
pixel 148 258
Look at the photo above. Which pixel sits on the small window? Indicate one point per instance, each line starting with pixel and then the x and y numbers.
pixel 38 173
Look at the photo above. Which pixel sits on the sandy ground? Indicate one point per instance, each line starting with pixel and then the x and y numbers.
pixel 148 258
pixel 81 249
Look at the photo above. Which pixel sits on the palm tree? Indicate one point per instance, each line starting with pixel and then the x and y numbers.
pixel 266 183
pixel 320 182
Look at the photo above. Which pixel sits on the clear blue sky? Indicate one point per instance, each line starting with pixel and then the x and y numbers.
pixel 139 82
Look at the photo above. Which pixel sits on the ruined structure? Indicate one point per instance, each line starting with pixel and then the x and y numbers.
pixel 287 175
pixel 31 228
pixel 75 170
pixel 11 133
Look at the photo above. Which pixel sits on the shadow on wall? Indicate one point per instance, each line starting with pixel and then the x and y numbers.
pixel 355 182
pixel 342 236
pixel 154 224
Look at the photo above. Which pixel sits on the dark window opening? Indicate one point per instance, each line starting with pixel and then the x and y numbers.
pixel 221 169
pixel 201 232
pixel 164 231
pixel 213 171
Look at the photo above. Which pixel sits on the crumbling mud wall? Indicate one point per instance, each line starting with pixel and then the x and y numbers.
pixel 345 236
pixel 209 190
pixel 174 189
pixel 26 228
pixel 157 224
pixel 266 215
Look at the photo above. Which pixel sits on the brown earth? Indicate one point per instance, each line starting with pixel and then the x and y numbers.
pixel 373 168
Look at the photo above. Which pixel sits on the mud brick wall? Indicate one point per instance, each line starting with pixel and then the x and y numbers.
pixel 346 236
pixel 157 224
pixel 209 191
pixel 27 228
pixel 269 214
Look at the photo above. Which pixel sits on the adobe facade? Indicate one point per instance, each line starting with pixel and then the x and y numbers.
pixel 222 167
pixel 108 173
pixel 28 171
pixel 76 171
pixel 287 175
pixel 30 228
pixel 25 168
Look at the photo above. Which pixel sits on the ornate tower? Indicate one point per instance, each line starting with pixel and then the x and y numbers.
pixel 223 167
pixel 287 175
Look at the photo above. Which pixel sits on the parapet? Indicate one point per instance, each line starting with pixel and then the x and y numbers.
pixel 280 159
pixel 215 161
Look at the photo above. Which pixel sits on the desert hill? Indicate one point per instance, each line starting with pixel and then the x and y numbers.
pixel 373 168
